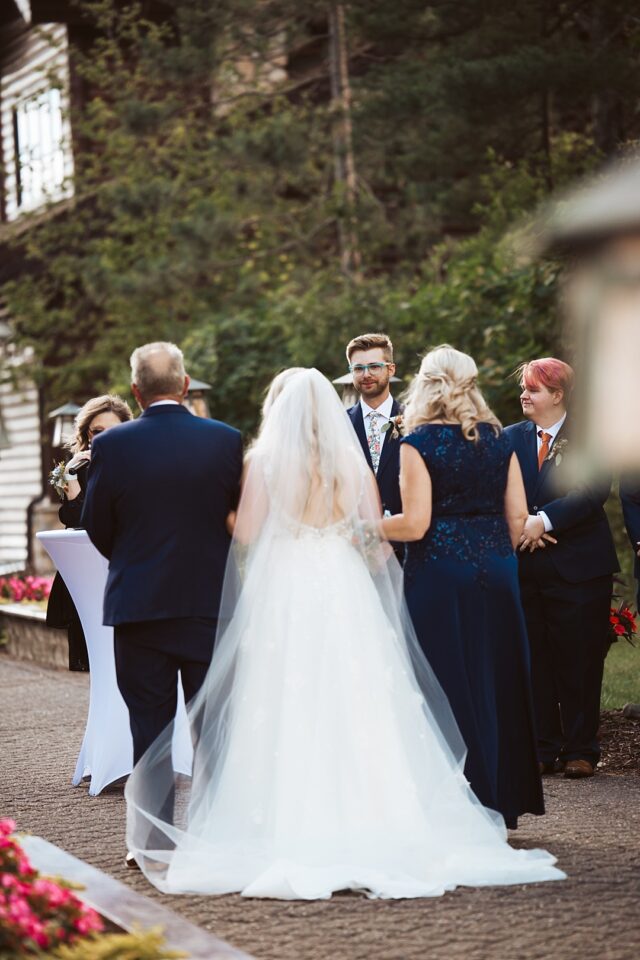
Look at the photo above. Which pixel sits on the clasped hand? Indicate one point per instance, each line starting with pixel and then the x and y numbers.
pixel 533 536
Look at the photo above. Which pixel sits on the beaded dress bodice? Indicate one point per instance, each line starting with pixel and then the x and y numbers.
pixel 468 487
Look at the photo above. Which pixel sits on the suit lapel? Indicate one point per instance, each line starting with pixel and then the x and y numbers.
pixel 389 444
pixel 529 458
pixel 355 413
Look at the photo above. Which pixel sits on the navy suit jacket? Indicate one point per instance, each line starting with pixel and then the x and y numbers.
pixel 158 494
pixel 630 499
pixel 585 547
pixel 388 475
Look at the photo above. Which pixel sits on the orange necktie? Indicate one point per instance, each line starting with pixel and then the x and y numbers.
pixel 543 452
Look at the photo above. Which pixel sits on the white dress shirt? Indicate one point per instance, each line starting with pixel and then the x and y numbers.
pixel 162 403
pixel 384 410
pixel 553 432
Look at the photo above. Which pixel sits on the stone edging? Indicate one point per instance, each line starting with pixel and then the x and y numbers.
pixel 124 907
pixel 29 637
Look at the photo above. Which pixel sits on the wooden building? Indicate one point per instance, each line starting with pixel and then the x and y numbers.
pixel 36 162
pixel 21 465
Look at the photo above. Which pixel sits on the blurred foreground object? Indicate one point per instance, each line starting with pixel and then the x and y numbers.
pixel 596 227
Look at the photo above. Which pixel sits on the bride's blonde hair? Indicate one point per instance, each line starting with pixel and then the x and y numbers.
pixel 276 387
pixel 445 388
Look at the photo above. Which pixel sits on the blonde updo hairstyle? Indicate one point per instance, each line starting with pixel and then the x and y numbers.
pixel 445 389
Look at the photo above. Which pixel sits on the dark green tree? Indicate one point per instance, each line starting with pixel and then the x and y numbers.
pixel 214 194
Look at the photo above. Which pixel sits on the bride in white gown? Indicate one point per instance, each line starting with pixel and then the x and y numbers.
pixel 326 754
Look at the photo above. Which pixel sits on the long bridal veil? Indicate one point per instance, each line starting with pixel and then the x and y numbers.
pixel 319 715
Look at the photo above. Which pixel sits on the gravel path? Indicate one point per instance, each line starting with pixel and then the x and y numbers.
pixel 592 826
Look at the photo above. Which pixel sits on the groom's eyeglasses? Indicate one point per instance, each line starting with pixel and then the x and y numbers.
pixel 359 369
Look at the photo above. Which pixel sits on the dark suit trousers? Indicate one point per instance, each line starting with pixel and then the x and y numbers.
pixel 149 657
pixel 567 625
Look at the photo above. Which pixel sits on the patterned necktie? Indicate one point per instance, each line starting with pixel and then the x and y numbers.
pixel 374 438
pixel 543 452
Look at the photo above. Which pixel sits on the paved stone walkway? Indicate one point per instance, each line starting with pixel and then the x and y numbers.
pixel 592 826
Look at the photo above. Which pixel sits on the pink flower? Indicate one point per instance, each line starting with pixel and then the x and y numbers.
pixel 18 588
pixel 55 895
pixel 88 921
pixel 36 912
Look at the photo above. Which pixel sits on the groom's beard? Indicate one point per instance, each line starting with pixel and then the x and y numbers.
pixel 373 390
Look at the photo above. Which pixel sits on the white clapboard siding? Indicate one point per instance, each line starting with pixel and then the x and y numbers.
pixel 43 53
pixel 20 462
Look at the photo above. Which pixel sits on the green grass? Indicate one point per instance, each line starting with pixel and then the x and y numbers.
pixel 621 676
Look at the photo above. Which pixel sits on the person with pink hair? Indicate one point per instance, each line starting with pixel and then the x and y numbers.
pixel 567 561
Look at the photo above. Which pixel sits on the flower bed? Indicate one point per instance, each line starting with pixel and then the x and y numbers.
pixel 44 917
pixel 25 636
pixel 36 913
pixel 19 588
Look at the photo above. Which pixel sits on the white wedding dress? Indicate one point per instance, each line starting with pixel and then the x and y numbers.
pixel 327 757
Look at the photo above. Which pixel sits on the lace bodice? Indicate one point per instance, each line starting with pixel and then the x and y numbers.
pixel 468 482
pixel 343 528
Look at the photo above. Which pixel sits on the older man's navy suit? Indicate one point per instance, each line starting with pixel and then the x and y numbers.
pixel 158 495
pixel 566 594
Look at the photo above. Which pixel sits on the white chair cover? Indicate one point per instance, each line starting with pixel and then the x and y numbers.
pixel 106 753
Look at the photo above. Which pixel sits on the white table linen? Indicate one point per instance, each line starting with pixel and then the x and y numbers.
pixel 106 753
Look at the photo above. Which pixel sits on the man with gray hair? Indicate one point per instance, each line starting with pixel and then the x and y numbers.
pixel 157 370
pixel 156 505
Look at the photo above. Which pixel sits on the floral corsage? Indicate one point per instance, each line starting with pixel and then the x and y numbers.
pixel 59 479
pixel 395 425
pixel 555 453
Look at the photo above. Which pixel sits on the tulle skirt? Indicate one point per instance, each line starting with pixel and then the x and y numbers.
pixel 331 772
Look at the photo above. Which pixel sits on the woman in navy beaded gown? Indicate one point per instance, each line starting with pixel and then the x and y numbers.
pixel 464 509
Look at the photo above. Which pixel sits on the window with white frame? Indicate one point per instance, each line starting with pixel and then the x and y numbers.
pixel 38 133
pixel 36 156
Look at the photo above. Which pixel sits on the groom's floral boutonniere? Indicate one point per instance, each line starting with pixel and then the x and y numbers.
pixel 58 478
pixel 556 451
pixel 395 425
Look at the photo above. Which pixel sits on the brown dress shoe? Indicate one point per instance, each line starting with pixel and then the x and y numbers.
pixel 576 769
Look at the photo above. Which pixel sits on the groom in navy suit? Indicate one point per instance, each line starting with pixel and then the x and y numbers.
pixel 567 561
pixel 370 358
pixel 157 500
